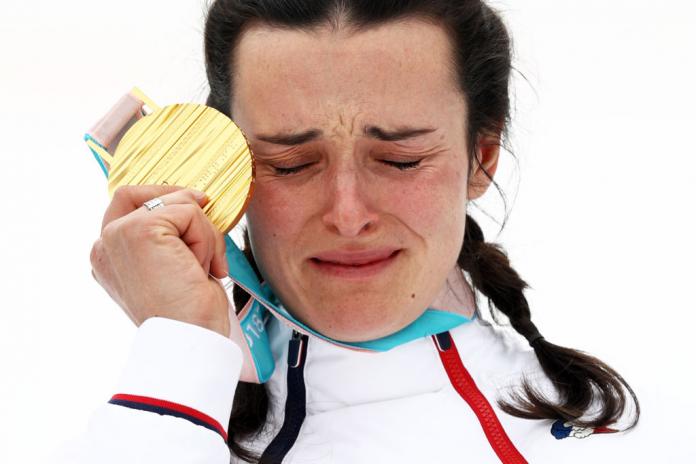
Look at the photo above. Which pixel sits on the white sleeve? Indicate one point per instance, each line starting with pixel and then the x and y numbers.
pixel 172 404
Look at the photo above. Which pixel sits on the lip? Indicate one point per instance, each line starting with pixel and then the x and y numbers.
pixel 355 257
pixel 358 264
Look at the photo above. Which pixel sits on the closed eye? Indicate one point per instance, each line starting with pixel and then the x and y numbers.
pixel 291 170
pixel 402 166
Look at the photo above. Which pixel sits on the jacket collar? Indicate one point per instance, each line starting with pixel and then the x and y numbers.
pixel 455 305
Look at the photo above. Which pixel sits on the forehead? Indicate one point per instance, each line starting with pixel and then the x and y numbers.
pixel 299 76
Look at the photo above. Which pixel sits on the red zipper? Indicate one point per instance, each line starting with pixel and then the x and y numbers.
pixel 464 384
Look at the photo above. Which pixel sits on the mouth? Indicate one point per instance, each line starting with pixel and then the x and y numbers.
pixel 354 265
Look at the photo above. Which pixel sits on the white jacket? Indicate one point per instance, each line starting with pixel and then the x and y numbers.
pixel 398 406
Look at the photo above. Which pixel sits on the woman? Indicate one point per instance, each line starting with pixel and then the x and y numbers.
pixel 372 124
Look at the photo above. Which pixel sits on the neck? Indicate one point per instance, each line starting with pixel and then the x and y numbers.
pixel 455 303
pixel 456 295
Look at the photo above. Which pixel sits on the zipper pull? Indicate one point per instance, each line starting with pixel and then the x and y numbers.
pixel 443 341
pixel 295 350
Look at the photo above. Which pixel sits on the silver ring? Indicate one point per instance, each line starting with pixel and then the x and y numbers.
pixel 154 203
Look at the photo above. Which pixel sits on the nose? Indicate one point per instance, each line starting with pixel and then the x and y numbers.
pixel 348 211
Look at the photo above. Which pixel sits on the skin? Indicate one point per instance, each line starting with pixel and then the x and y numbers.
pixel 342 84
pixel 162 262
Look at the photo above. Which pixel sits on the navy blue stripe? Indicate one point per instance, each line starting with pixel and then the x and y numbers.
pixel 295 404
pixel 164 412
pixel 444 341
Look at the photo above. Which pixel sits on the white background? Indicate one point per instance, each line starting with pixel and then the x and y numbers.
pixel 601 221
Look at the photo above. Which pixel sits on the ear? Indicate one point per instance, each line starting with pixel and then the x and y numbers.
pixel 487 154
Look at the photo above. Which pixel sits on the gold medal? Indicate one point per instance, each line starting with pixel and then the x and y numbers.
pixel 188 145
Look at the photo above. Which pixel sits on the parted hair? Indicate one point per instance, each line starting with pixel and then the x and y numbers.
pixel 483 55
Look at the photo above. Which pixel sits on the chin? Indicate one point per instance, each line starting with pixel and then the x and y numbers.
pixel 359 325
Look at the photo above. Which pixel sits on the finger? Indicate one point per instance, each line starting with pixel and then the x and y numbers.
pixel 208 230
pixel 128 198
pixel 211 242
pixel 196 199
pixel 218 266
pixel 190 224
pixel 183 196
pixel 180 197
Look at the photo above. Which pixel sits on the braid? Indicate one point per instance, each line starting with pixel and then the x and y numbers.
pixel 578 377
pixel 491 273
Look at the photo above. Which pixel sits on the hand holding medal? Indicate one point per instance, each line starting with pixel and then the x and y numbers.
pixel 180 177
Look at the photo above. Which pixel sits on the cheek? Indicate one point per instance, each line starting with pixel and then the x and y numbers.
pixel 433 206
pixel 274 217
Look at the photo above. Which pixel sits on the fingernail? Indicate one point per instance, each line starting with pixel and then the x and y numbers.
pixel 198 194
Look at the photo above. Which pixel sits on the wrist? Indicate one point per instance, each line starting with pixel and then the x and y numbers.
pixel 176 362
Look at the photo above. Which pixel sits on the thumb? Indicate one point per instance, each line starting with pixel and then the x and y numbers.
pixel 201 197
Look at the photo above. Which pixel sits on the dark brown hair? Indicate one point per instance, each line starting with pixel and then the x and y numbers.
pixel 483 56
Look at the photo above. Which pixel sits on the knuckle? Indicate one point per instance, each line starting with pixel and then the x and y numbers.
pixel 95 253
pixel 127 229
pixel 109 233
pixel 201 214
pixel 142 233
pixel 186 195
pixel 122 191
pixel 190 210
pixel 137 229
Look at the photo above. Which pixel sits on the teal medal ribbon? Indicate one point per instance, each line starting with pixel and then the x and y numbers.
pixel 431 322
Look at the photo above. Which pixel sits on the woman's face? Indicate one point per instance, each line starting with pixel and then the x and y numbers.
pixel 360 199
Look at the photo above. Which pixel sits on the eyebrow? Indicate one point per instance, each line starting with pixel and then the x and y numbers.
pixel 375 132
pixel 291 139
pixel 402 133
